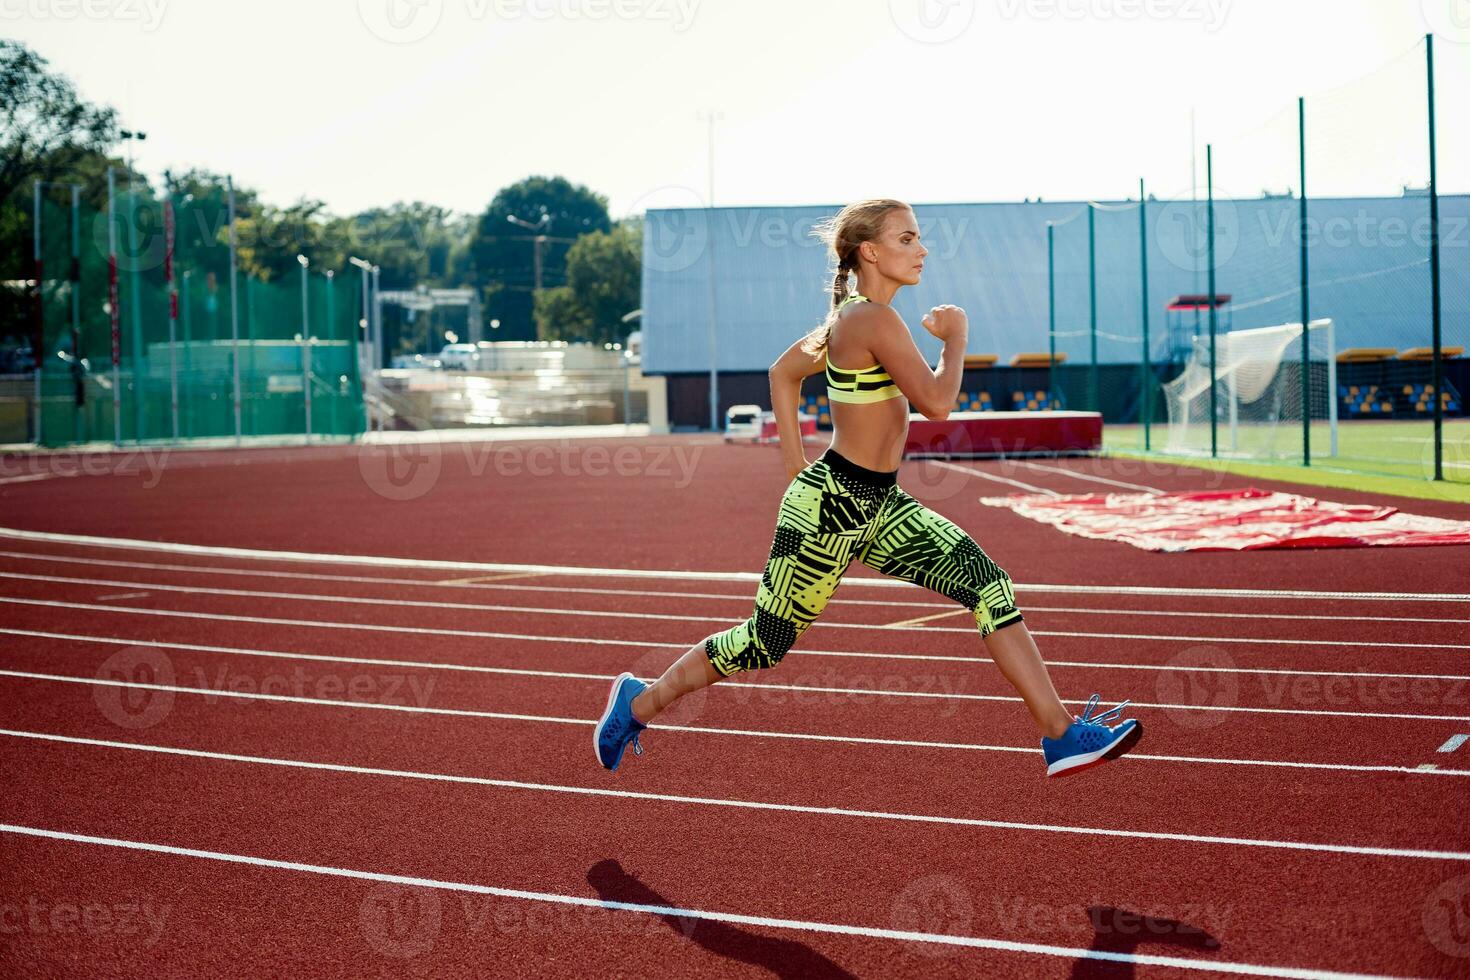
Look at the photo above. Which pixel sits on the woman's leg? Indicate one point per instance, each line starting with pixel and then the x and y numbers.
pixel 818 529
pixel 916 544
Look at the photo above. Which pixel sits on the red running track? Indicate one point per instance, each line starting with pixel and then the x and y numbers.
pixel 228 764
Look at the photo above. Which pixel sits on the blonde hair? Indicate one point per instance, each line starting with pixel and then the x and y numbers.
pixel 859 222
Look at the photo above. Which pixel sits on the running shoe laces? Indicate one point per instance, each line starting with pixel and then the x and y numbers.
pixel 1112 714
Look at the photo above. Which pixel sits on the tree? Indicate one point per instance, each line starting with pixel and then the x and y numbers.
pixel 46 133
pixel 502 255
pixel 604 273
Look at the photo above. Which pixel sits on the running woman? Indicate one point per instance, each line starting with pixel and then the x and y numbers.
pixel 847 504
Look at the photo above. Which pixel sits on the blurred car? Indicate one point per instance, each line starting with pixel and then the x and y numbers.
pixel 421 361
pixel 460 357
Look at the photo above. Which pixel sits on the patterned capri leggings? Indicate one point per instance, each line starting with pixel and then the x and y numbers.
pixel 835 511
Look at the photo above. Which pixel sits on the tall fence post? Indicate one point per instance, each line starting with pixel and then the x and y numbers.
pixel 1146 395
pixel 1301 139
pixel 38 329
pixel 234 308
pixel 114 313
pixel 1051 312
pixel 1434 297
pixel 1093 395
pixel 173 315
pixel 1210 246
pixel 79 378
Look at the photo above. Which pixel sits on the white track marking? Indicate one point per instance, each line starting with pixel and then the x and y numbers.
pixel 695 729
pixel 761 921
pixel 28 479
pixel 741 597
pixel 910 624
pixel 253 554
pixel 1087 476
pixel 764 685
pixel 991 476
pixel 1079 664
pixel 601 641
pixel 1454 742
pixel 1356 849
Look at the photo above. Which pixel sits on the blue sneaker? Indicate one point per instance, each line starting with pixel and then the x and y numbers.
pixel 1089 741
pixel 618 727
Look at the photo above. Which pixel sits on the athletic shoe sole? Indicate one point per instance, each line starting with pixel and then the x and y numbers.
pixel 612 698
pixel 1074 764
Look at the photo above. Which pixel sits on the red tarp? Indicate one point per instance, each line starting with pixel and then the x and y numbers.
pixel 1231 520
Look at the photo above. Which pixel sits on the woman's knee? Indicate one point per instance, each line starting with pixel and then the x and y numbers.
pixel 760 642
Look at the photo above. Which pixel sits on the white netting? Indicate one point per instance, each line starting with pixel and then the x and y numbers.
pixel 1258 393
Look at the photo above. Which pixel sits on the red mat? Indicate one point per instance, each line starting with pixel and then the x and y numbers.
pixel 1231 520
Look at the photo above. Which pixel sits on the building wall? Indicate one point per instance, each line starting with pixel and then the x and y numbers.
pixel 767 277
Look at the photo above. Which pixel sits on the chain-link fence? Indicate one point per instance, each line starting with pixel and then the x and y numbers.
pixel 1332 213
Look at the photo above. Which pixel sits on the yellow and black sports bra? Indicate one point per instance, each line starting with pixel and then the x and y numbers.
pixel 871 384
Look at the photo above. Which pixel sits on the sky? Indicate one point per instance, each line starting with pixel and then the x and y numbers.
pixel 359 103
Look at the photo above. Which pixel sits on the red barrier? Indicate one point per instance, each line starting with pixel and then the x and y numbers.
pixel 1004 434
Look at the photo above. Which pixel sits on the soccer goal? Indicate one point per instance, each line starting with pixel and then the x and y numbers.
pixel 1258 385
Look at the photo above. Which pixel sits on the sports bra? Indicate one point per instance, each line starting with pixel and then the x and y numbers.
pixel 871 384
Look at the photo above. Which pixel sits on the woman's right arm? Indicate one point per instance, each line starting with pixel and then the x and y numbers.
pixel 931 391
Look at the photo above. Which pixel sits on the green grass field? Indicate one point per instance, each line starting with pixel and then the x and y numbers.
pixel 1393 457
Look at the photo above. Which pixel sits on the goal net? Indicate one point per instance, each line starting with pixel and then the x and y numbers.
pixel 1258 386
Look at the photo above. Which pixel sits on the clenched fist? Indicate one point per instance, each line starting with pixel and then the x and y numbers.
pixel 947 322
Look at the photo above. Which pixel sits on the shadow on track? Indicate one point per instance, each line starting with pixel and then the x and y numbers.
pixel 1118 930
pixel 783 957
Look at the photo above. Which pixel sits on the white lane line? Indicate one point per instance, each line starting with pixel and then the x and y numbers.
pixel 1080 664
pixel 1320 847
pixel 28 479
pixel 695 729
pixel 826 624
pixel 122 595
pixel 795 925
pixel 1454 742
pixel 1087 476
pixel 764 685
pixel 600 641
pixel 742 597
pixel 254 554
pixel 991 476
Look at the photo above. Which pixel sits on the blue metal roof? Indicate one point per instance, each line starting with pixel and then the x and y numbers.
pixel 1368 262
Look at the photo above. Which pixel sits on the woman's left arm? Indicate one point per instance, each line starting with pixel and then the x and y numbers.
pixel 786 377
